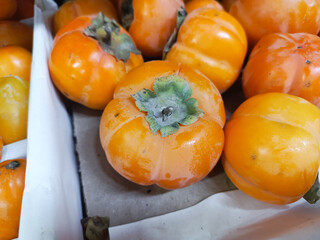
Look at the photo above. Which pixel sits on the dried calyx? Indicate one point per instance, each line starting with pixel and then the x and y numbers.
pixel 107 33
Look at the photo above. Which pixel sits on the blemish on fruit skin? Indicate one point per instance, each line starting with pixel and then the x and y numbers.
pixel 253 156
pixel 168 175
pixel 308 61
pixel 307 84
pixel 116 115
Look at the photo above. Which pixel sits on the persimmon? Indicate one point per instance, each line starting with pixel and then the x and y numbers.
pixel 163 126
pixel 227 4
pixel 150 23
pixel 261 17
pixel 75 8
pixel 14 95
pixel 195 4
pixel 25 9
pixel 284 62
pixel 89 57
pixel 15 61
pixel 7 9
pixel 271 147
pixel 1 145
pixel 16 33
pixel 12 180
pixel 213 42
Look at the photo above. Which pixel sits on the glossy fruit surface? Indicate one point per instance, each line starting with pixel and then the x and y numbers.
pixel 284 62
pixel 15 61
pixel 75 8
pixel 261 17
pixel 85 66
pixel 12 178
pixel 195 4
pixel 138 151
pixel 14 95
pixel 212 42
pixel 152 23
pixel 16 33
pixel 272 147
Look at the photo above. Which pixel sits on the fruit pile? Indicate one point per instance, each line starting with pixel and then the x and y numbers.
pixel 16 39
pixel 158 71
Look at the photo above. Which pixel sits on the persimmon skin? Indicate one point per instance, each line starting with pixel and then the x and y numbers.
pixel 227 4
pixel 1 145
pixel 25 9
pixel 16 33
pixel 212 42
pixel 195 4
pixel 14 96
pixel 261 17
pixel 75 8
pixel 284 62
pixel 11 190
pixel 15 61
pixel 153 23
pixel 172 162
pixel 80 68
pixel 271 147
pixel 7 9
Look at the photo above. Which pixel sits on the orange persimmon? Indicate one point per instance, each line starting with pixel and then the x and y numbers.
pixel 150 23
pixel 25 9
pixel 12 179
pixel 75 8
pixel 1 145
pixel 213 42
pixel 284 62
pixel 15 61
pixel 195 4
pixel 271 147
pixel 16 33
pixel 227 4
pixel 7 9
pixel 261 17
pixel 187 109
pixel 89 57
pixel 14 96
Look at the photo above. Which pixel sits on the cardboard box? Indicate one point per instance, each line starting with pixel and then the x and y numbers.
pixel 56 196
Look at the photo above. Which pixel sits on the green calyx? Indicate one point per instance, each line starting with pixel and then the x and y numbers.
pixel 107 33
pixel 169 105
pixel 313 195
pixel 181 15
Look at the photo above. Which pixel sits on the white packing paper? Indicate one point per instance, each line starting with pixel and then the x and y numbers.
pixel 51 206
pixel 228 216
pixel 14 150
